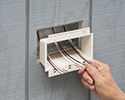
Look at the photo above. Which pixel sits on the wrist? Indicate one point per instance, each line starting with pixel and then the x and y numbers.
pixel 119 96
pixel 122 97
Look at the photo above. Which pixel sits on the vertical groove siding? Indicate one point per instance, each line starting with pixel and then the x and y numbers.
pixel 108 26
pixel 109 46
pixel 12 50
pixel 46 13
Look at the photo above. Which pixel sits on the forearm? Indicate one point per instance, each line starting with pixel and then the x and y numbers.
pixel 120 97
pixel 119 94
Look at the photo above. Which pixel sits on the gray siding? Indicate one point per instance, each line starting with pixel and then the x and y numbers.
pixel 44 14
pixel 12 49
pixel 108 26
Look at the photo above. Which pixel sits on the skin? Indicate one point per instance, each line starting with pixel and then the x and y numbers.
pixel 98 78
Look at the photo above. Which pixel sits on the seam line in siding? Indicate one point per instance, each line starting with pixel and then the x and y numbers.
pixel 26 49
pixel 90 25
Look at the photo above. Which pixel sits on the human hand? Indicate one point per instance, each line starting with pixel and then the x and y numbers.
pixel 98 78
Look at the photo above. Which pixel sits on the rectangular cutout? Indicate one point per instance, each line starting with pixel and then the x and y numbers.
pixel 44 32
pixel 64 48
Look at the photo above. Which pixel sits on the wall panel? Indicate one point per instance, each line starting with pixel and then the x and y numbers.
pixel 109 45
pixel 12 50
pixel 47 13
pixel 109 39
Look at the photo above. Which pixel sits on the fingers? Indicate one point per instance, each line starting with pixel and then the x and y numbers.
pixel 102 67
pixel 94 73
pixel 81 71
pixel 93 64
pixel 88 86
pixel 98 62
pixel 99 65
pixel 86 77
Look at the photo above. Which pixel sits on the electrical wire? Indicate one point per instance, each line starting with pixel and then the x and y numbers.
pixel 77 65
pixel 50 61
pixel 79 53
pixel 64 50
pixel 58 69
pixel 51 64
pixel 74 48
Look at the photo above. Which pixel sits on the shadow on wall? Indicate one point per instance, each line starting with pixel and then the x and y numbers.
pixel 67 85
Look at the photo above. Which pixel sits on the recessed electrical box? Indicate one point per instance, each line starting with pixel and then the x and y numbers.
pixel 66 48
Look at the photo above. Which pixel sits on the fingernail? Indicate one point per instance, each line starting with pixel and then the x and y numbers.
pixel 81 71
pixel 88 67
pixel 89 81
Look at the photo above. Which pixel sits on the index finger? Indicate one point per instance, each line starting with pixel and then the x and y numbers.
pixel 81 71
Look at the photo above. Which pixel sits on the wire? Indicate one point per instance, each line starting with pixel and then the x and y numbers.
pixel 65 55
pixel 63 70
pixel 50 61
pixel 77 65
pixel 48 57
pixel 51 64
pixel 74 48
pixel 64 50
pixel 79 53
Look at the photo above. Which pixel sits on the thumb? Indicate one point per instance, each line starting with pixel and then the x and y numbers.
pixel 93 72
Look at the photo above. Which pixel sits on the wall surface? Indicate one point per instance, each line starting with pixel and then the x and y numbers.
pixel 12 49
pixel 47 13
pixel 108 24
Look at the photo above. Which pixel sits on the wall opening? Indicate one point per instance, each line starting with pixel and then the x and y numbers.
pixel 51 48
